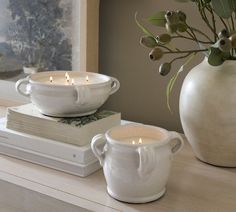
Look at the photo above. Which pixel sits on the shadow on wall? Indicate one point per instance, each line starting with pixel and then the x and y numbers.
pixel 142 96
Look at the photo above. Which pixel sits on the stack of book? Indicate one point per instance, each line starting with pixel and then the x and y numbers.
pixel 59 143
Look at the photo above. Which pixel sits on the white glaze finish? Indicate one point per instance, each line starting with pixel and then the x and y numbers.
pixel 208 112
pixel 136 173
pixel 30 70
pixel 68 100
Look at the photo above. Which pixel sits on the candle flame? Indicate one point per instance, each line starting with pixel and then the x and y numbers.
pixel 51 79
pixel 72 81
pixel 133 142
pixel 87 78
pixel 140 141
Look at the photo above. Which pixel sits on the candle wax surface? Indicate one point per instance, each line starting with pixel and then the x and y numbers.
pixel 77 80
pixel 136 140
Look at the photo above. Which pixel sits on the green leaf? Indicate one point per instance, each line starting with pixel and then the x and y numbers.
pixel 169 90
pixel 232 4
pixel 216 57
pixel 172 81
pixel 145 30
pixel 158 19
pixel 223 8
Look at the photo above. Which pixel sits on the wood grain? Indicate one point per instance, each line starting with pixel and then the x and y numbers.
pixel 193 186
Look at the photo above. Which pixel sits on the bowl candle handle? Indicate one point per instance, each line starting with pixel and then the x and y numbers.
pixel 147 160
pixel 176 142
pixel 98 150
pixel 20 82
pixel 115 85
pixel 82 95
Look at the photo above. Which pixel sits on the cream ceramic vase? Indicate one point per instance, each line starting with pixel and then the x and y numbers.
pixel 208 112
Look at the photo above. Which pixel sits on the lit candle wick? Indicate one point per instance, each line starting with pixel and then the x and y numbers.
pixel 67 77
pixel 87 78
pixel 72 81
pixel 51 79
pixel 133 142
pixel 140 141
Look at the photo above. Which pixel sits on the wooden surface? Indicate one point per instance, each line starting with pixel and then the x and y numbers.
pixel 193 186
pixel 4 104
pixel 19 199
pixel 2 111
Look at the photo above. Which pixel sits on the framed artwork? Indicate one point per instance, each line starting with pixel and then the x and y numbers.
pixel 46 35
pixel 43 35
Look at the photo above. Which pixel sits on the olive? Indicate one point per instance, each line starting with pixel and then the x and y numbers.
pixel 164 38
pixel 182 16
pixel 171 17
pixel 171 28
pixel 156 54
pixel 148 41
pixel 182 27
pixel 232 38
pixel 223 33
pixel 164 69
pixel 224 44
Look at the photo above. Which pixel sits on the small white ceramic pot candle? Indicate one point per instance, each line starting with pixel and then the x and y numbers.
pixel 68 94
pixel 136 160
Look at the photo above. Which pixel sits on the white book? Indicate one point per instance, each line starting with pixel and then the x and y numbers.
pixel 77 154
pixel 77 131
pixel 49 161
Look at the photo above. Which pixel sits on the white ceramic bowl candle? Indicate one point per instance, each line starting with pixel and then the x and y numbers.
pixel 68 94
pixel 136 160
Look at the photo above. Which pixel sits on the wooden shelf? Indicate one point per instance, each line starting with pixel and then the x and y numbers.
pixel 192 186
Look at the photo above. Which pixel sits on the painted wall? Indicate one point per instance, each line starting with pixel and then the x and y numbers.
pixel 142 96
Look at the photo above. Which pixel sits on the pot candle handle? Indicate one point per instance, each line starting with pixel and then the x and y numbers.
pixel 20 82
pixel 147 160
pixel 115 85
pixel 99 152
pixel 176 142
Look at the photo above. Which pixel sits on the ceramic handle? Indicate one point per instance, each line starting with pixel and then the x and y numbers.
pixel 82 95
pixel 147 160
pixel 20 82
pixel 176 142
pixel 99 152
pixel 116 85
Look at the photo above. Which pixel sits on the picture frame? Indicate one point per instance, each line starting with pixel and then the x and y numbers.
pixel 85 39
pixel 88 42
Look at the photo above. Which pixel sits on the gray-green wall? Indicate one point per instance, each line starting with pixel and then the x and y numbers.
pixel 142 96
